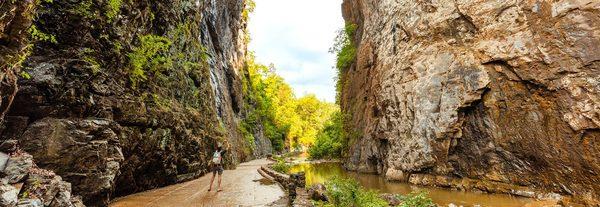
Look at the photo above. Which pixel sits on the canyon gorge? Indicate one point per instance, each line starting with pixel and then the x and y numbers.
pixel 105 98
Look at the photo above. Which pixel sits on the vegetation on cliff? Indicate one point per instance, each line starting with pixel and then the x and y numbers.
pixel 345 51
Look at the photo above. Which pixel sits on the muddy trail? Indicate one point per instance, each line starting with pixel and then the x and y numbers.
pixel 243 186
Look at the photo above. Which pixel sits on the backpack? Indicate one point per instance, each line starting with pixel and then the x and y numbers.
pixel 216 157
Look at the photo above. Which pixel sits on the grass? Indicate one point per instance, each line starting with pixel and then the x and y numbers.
pixel 281 166
pixel 416 199
pixel 347 192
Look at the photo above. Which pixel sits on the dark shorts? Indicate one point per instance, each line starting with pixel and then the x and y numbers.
pixel 217 169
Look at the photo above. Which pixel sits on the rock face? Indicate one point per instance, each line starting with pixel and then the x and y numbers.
pixel 125 96
pixel 499 91
pixel 15 20
pixel 22 183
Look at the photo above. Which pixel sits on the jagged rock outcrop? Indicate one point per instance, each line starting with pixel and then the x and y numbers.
pixel 124 96
pixel 498 91
pixel 22 183
pixel 15 20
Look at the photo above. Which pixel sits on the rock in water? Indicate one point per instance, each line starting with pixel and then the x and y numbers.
pixel 317 192
pixel 499 91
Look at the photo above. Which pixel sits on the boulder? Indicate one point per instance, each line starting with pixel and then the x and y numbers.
pixel 85 152
pixel 17 167
pixel 317 192
pixel 8 146
pixel 63 197
pixel 8 195
pixel 391 199
pixel 42 184
pixel 30 202
pixel 3 160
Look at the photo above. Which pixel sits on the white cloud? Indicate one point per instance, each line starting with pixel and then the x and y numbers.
pixel 295 35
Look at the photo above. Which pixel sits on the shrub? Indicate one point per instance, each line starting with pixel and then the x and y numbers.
pixel 331 141
pixel 416 199
pixel 347 192
pixel 38 35
pixel 112 9
pixel 345 50
pixel 281 166
pixel 246 129
pixel 149 55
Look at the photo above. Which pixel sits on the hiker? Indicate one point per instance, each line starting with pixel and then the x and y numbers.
pixel 217 166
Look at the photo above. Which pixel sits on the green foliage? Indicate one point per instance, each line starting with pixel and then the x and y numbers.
pixel 117 47
pixel 246 129
pixel 94 65
pixel 344 47
pixel 151 55
pixel 161 102
pixel 281 166
pixel 313 114
pixel 345 50
pixel 38 35
pixel 331 141
pixel 286 120
pixel 346 192
pixel 416 199
pixel 112 9
pixel 84 9
pixel 17 60
pixel 249 8
pixel 25 75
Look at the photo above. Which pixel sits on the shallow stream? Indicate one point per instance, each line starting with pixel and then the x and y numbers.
pixel 320 172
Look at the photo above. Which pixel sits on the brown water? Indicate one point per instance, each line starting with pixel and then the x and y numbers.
pixel 319 173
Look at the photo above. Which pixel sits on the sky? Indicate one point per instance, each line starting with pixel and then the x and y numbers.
pixel 295 35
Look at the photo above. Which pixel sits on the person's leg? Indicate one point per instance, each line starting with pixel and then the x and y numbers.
pixel 212 180
pixel 220 174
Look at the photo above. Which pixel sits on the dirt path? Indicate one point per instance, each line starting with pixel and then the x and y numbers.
pixel 243 186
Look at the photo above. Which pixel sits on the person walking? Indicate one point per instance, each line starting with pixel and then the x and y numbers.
pixel 217 166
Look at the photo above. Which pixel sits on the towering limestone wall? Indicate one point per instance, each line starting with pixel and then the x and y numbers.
pixel 499 96
pixel 120 96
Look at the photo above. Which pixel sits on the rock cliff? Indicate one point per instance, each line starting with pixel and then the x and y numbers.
pixel 120 96
pixel 500 96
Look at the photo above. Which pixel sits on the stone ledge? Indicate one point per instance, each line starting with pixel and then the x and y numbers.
pixel 465 184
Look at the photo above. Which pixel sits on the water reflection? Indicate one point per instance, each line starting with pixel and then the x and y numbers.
pixel 319 173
